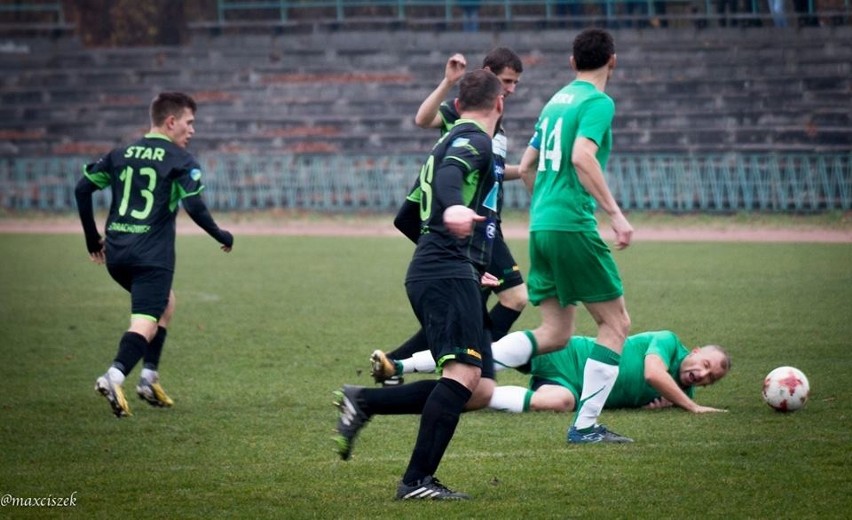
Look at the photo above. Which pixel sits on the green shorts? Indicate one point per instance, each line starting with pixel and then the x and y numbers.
pixel 563 367
pixel 571 266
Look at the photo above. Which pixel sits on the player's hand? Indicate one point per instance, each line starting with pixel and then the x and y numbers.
pixel 656 404
pixel 623 230
pixel 460 220
pixel 489 280
pixel 228 241
pixel 98 257
pixel 455 68
pixel 97 254
pixel 706 409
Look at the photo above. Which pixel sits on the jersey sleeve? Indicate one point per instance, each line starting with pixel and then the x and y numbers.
pixel 472 151
pixel 535 140
pixel 664 344
pixel 98 171
pixel 596 118
pixel 187 178
pixel 448 114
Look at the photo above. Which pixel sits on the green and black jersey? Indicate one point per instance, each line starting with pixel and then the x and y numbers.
pixel 148 179
pixel 499 144
pixel 459 170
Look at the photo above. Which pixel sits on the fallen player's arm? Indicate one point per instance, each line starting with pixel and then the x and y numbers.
pixel 657 375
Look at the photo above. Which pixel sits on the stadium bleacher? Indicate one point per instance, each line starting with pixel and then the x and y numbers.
pixel 677 91
pixel 680 91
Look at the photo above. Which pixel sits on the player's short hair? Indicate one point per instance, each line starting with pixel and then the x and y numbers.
pixel 502 58
pixel 478 90
pixel 592 49
pixel 170 104
pixel 726 362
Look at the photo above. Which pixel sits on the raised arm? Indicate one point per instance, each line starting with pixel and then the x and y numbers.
pixel 427 115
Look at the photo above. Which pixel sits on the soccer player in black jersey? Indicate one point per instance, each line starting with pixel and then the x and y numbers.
pixel 511 292
pixel 458 212
pixel 148 179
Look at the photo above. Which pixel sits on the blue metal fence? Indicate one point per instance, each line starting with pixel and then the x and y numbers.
pixel 669 183
pixel 505 10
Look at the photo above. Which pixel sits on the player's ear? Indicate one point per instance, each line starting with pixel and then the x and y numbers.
pixel 573 63
pixel 456 104
pixel 612 61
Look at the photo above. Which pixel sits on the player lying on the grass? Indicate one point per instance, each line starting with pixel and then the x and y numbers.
pixel 656 371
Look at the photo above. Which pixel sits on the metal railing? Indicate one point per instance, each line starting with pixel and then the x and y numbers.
pixel 669 183
pixel 255 12
pixel 30 14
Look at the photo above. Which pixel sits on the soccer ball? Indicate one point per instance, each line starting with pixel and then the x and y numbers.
pixel 786 389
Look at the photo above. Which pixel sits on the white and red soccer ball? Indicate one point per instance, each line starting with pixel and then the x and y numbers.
pixel 786 389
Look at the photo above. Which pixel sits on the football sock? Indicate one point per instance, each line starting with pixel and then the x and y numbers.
pixel 396 400
pixel 148 374
pixel 598 378
pixel 511 399
pixel 155 348
pixel 419 362
pixel 514 350
pixel 131 348
pixel 437 426
pixel 502 319
pixel 415 343
pixel 115 375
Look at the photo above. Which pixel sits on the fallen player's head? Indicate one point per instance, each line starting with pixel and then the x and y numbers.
pixel 704 366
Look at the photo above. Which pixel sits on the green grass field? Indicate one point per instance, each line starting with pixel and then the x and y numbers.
pixel 262 337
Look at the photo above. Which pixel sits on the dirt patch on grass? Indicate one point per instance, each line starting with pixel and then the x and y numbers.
pixel 382 225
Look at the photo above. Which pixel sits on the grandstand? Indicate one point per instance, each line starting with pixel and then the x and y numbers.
pixel 719 96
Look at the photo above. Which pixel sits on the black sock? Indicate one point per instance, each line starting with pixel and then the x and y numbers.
pixel 415 343
pixel 396 400
pixel 437 426
pixel 131 348
pixel 155 348
pixel 502 319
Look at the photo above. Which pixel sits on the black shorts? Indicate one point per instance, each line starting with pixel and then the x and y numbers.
pixel 149 288
pixel 451 313
pixel 503 265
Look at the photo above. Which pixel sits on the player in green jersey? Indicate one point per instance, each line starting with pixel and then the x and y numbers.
pixel 569 262
pixel 656 370
pixel 148 179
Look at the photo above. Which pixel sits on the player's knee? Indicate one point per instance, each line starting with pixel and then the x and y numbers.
pixel 550 339
pixel 169 310
pixel 514 298
pixel 552 403
pixel 481 395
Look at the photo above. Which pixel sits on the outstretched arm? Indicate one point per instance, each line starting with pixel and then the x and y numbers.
pixel 199 214
pixel 657 375
pixel 427 115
